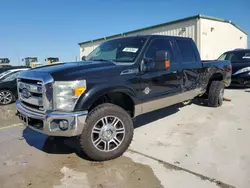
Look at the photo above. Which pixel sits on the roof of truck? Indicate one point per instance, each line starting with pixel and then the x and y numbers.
pixel 154 36
pixel 164 24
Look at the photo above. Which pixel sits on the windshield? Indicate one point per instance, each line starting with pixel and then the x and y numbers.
pixel 236 56
pixel 4 61
pixel 53 59
pixel 118 50
pixel 30 60
pixel 10 76
pixel 4 73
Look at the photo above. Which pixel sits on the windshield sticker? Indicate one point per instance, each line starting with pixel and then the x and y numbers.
pixel 132 50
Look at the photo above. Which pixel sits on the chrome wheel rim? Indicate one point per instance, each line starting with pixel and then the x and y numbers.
pixel 108 133
pixel 5 97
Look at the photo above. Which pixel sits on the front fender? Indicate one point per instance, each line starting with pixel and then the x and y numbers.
pixel 87 99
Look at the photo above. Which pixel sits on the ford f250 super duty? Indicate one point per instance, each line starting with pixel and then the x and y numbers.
pixel 96 99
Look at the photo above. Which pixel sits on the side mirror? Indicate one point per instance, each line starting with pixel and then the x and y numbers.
pixel 162 60
pixel 148 64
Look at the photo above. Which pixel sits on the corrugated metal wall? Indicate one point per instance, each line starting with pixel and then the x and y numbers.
pixel 210 42
pixel 173 30
pixel 217 37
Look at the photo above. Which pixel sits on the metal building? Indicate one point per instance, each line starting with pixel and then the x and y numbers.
pixel 213 36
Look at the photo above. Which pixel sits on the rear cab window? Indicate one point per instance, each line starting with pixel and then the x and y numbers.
pixel 187 51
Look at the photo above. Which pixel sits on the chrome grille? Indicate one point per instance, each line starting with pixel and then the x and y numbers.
pixel 31 94
pixel 35 92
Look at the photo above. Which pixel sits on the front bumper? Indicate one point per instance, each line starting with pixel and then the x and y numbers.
pixel 241 80
pixel 48 123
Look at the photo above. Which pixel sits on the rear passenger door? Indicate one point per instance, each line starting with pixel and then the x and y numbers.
pixel 190 64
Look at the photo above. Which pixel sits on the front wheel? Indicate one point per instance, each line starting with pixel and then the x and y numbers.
pixel 216 94
pixel 6 97
pixel 108 132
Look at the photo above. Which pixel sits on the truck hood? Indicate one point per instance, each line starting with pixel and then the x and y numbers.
pixel 77 70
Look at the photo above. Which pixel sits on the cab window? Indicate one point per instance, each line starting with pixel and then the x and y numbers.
pixel 158 45
pixel 187 51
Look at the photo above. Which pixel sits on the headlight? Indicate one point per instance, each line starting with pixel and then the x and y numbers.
pixel 66 94
pixel 246 69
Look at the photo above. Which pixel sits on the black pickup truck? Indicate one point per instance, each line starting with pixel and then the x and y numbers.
pixel 97 99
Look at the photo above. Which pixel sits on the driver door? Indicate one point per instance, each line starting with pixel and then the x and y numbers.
pixel 158 87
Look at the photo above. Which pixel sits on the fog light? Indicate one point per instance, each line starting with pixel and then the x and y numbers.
pixel 63 125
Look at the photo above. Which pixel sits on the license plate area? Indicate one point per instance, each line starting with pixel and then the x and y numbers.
pixel 31 122
pixel 23 118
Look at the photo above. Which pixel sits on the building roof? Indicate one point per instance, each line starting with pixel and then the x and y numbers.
pixel 29 57
pixel 165 24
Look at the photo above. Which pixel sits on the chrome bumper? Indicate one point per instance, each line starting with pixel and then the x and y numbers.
pixel 76 121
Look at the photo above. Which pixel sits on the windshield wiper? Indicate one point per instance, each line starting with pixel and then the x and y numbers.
pixel 105 60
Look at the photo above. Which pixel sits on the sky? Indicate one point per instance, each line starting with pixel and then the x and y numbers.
pixel 55 27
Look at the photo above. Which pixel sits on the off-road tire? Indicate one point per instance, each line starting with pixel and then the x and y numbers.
pixel 96 114
pixel 214 95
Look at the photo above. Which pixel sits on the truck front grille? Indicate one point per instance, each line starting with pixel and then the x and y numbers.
pixel 33 94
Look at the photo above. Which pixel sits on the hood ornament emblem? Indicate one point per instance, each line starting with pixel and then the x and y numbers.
pixel 25 92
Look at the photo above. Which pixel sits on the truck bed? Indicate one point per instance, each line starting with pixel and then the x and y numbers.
pixel 216 63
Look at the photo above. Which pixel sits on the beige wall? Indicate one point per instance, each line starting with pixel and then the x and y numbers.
pixel 224 37
pixel 211 44
pixel 85 49
pixel 173 30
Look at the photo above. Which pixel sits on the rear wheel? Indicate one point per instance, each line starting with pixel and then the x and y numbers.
pixel 108 132
pixel 6 97
pixel 216 94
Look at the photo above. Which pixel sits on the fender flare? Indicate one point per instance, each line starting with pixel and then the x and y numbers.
pixel 87 99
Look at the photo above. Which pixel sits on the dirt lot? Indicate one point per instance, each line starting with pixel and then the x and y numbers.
pixel 178 147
